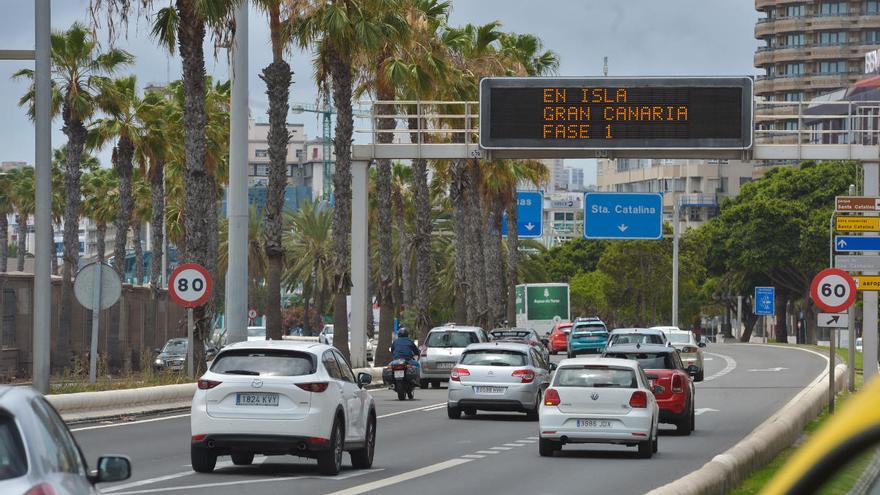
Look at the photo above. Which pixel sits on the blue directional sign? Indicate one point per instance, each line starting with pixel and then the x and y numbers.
pixel 529 214
pixel 764 301
pixel 843 243
pixel 623 215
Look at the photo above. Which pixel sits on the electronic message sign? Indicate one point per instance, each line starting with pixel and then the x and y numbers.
pixel 616 113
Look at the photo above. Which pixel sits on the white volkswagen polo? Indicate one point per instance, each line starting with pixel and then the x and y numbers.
pixel 278 398
pixel 599 400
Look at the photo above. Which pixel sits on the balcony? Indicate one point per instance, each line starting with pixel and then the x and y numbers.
pixel 763 4
pixel 698 200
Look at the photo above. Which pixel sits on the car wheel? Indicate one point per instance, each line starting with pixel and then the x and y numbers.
pixel 700 376
pixel 469 412
pixel 424 383
pixel 453 412
pixel 410 395
pixel 569 355
pixel 330 460
pixel 654 443
pixel 532 414
pixel 363 458
pixel 401 393
pixel 684 426
pixel 202 459
pixel 436 384
pixel 242 458
pixel 547 447
pixel 646 449
pixel 693 419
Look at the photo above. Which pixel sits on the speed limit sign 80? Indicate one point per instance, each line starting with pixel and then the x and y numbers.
pixel 190 285
pixel 833 290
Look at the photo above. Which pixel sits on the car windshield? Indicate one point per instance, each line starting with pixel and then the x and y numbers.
pixel 680 338
pixel 592 328
pixel 648 360
pixel 595 376
pixel 492 357
pixel 256 332
pixel 636 338
pixel 565 329
pixel 13 461
pixel 259 362
pixel 175 347
pixel 451 339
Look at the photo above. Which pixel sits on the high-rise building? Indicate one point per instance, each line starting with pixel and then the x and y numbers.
pixel 577 179
pixel 811 47
pixel 558 174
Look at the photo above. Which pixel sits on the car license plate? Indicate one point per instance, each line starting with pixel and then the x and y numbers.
pixel 490 390
pixel 593 423
pixel 256 399
pixel 445 365
pixel 399 373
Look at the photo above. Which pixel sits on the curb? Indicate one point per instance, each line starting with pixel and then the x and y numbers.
pixel 728 470
pixel 92 406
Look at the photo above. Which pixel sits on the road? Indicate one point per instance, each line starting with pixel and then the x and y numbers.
pixel 420 450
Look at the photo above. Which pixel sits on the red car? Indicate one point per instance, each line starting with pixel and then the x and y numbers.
pixel 663 367
pixel 558 340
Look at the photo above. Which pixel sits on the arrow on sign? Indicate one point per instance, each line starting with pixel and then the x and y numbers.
pixel 841 243
pixel 529 226
pixel 833 319
pixel 622 227
pixel 702 410
pixel 770 369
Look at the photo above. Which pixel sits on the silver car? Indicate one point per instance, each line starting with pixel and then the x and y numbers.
pixel 499 376
pixel 442 348
pixel 688 349
pixel 326 337
pixel 39 455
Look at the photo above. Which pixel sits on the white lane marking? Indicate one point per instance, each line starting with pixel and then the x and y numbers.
pixel 768 369
pixel 148 481
pixel 701 410
pixel 513 445
pixel 393 480
pixel 407 411
pixel 708 359
pixel 531 438
pixel 730 366
pixel 127 423
pixel 474 456
pixel 500 448
pixel 488 452
pixel 526 441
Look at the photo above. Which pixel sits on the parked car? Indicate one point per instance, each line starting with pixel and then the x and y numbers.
pixel 599 400
pixel 498 376
pixel 689 350
pixel 587 336
pixel 663 367
pixel 558 338
pixel 442 348
pixel 172 356
pixel 637 336
pixel 525 335
pixel 326 337
pixel 279 397
pixel 38 454
pixel 255 334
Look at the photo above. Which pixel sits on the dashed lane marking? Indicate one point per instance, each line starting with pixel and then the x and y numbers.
pixel 513 445
pixel 488 452
pixel 473 456
pixel 127 423
pixel 393 480
pixel 430 407
pixel 500 448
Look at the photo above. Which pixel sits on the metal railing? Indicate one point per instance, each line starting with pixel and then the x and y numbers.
pixel 435 121
pixel 818 122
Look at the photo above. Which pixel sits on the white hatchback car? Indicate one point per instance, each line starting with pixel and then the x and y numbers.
pixel 599 400
pixel 282 397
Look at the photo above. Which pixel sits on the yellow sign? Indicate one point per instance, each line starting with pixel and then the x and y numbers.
pixel 868 283
pixel 857 224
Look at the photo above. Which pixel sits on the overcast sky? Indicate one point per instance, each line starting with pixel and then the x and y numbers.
pixel 639 37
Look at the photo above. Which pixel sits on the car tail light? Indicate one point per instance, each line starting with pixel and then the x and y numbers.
pixel 457 373
pixel 41 489
pixel 689 350
pixel 198 438
pixel 677 387
pixel 638 400
pixel 527 376
pixel 551 397
pixel 399 367
pixel 318 441
pixel 208 384
pixel 316 387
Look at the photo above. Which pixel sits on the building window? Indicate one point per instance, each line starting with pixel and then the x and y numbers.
pixel 832 67
pixel 872 37
pixel 832 37
pixel 744 180
pixel 795 69
pixel 261 153
pixel 262 170
pixel 796 10
pixel 872 7
pixel 722 185
pixel 794 96
pixel 795 39
pixel 833 8
pixel 791 125
pixel 314 153
pixel 299 154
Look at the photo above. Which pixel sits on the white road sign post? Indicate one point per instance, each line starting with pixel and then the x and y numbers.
pixel 97 286
pixel 834 291
pixel 190 286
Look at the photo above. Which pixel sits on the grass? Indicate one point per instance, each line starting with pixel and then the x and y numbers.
pixel 76 378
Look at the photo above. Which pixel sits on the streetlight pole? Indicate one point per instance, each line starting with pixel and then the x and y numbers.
pixel 675 229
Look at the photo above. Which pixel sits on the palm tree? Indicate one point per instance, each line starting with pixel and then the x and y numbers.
pixel 141 214
pixel 256 251
pixel 6 208
pixel 88 163
pixel 22 195
pixel 101 193
pixel 342 31
pixel 308 243
pixel 78 67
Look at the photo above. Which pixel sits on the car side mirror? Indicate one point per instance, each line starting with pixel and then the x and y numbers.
pixel 658 389
pixel 553 366
pixel 364 379
pixel 545 341
pixel 157 351
pixel 112 468
pixel 692 370
pixel 701 344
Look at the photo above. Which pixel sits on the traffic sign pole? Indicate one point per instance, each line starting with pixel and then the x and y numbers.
pixel 675 229
pixel 96 318
pixel 189 342
pixel 833 290
pixel 871 180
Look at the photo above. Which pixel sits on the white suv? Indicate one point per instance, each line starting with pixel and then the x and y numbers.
pixel 278 398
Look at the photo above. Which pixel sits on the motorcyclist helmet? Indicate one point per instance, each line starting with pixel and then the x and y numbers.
pixel 403 332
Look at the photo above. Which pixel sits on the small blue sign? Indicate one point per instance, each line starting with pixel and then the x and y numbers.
pixel 623 215
pixel 844 243
pixel 529 215
pixel 764 301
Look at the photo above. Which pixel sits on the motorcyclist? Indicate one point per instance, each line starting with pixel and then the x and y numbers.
pixel 405 348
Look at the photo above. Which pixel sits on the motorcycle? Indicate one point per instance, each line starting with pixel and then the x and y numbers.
pixel 401 376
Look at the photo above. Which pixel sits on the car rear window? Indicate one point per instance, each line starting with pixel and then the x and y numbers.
pixel 648 360
pixel 590 328
pixel 264 362
pixel 13 460
pixel 511 334
pixel 451 339
pixel 636 338
pixel 679 338
pixel 492 357
pixel 595 377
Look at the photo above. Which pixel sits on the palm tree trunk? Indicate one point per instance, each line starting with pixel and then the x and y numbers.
pixel 21 224
pixel 512 262
pixel 422 237
pixel 385 241
pixel 138 253
pixel 403 246
pixel 277 78
pixel 4 243
pixel 157 224
pixel 199 196
pixel 459 232
pixel 341 73
pixel 492 257
pixel 101 233
pixel 76 137
pixel 477 312
pixel 122 164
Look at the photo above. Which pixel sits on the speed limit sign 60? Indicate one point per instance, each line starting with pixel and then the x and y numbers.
pixel 833 290
pixel 190 285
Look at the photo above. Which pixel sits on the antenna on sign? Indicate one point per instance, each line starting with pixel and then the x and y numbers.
pixel 605 66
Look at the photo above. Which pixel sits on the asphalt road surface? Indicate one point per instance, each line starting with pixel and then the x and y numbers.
pixel 419 450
